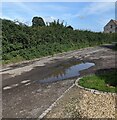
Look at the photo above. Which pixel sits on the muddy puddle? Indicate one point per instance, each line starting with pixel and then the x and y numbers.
pixel 67 70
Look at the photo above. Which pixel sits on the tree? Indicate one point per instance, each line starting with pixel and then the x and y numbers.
pixel 57 23
pixel 38 21
pixel 70 27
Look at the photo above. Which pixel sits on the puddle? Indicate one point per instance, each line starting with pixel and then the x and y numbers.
pixel 69 69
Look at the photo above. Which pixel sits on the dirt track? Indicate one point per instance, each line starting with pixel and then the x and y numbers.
pixel 23 97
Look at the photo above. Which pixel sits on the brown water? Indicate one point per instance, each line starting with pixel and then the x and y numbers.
pixel 69 69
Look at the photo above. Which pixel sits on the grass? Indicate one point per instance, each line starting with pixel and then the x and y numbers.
pixel 105 81
pixel 13 60
pixel 40 51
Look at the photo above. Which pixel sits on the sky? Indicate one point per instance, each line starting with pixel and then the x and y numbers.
pixel 80 15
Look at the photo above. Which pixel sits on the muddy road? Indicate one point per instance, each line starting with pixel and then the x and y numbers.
pixel 29 88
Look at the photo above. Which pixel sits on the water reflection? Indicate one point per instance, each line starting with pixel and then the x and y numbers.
pixel 66 70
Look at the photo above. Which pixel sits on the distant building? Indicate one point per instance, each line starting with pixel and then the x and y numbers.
pixel 111 26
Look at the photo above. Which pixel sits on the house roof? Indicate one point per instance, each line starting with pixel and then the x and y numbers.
pixel 115 21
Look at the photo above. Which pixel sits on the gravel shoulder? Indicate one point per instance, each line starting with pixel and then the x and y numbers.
pixel 79 103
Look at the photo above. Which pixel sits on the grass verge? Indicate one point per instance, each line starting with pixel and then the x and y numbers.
pixel 106 81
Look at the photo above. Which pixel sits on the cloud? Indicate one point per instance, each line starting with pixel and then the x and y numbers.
pixel 81 17
pixel 54 7
pixel 5 17
pixel 17 11
pixel 25 7
pixel 49 18
pixel 76 14
pixel 92 8
pixel 97 8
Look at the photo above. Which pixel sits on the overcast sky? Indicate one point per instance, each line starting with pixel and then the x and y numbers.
pixel 81 15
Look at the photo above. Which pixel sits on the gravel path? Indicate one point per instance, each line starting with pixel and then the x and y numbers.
pixel 79 103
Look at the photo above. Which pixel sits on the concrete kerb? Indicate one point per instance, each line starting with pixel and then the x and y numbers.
pixel 96 97
pixel 53 104
pixel 92 90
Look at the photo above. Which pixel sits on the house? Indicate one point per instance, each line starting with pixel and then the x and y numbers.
pixel 111 26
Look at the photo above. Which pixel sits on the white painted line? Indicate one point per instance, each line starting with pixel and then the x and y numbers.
pixel 50 108
pixel 25 81
pixel 7 87
pixel 4 69
pixel 14 85
pixel 27 84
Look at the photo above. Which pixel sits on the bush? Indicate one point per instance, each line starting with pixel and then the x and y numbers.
pixel 32 42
